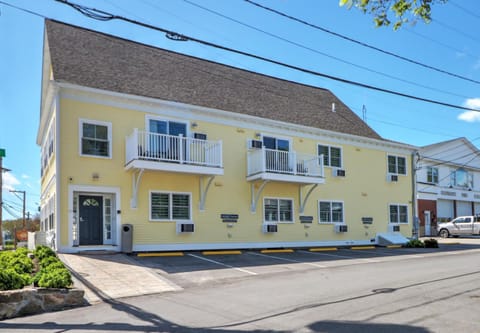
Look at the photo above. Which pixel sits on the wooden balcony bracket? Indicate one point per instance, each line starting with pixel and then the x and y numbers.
pixel 205 182
pixel 136 177
pixel 256 196
pixel 304 196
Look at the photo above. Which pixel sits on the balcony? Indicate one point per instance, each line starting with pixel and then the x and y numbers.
pixel 162 152
pixel 284 166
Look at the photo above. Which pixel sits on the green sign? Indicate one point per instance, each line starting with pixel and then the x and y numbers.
pixel 2 153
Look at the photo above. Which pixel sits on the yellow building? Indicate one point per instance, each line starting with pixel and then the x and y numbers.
pixel 145 149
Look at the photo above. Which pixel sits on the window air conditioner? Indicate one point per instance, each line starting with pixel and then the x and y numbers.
pixel 338 172
pixel 392 178
pixel 267 228
pixel 257 144
pixel 394 228
pixel 185 227
pixel 341 228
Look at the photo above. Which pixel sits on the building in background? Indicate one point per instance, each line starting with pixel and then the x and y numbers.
pixel 189 154
pixel 448 182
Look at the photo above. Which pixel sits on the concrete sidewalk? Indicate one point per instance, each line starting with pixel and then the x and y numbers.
pixel 112 276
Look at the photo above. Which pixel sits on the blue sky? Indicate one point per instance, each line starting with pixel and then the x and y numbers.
pixel 450 43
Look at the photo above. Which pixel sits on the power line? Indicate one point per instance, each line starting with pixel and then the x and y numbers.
pixel 320 52
pixel 105 16
pixel 468 11
pixel 362 43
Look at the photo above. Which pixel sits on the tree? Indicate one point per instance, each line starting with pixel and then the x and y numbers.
pixel 403 10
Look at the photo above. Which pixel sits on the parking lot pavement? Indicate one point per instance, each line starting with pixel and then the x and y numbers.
pixel 197 268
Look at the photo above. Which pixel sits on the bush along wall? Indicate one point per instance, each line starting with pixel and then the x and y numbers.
pixel 43 269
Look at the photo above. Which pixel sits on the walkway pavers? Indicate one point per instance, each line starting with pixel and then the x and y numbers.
pixel 112 276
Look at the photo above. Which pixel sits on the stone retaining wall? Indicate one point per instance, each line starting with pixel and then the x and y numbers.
pixel 28 301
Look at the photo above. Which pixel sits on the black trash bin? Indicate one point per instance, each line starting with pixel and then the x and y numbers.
pixel 127 238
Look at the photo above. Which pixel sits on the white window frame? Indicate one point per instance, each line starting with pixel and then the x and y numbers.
pixel 398 207
pixel 331 214
pixel 396 165
pixel 430 170
pixel 329 164
pixel 99 123
pixel 278 220
pixel 170 211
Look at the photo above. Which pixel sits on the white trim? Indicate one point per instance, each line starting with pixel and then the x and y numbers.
pixel 257 124
pixel 397 156
pixel 82 121
pixel 331 201
pixel 330 154
pixel 279 221
pixel 170 212
pixel 398 204
pixel 246 245
pixel 116 195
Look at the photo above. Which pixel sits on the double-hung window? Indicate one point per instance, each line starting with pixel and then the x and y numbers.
pixel 330 211
pixel 432 175
pixel 398 213
pixel 95 138
pixel 278 210
pixel 332 156
pixel 397 165
pixel 166 206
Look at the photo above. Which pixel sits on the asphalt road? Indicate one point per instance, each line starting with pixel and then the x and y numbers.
pixel 381 290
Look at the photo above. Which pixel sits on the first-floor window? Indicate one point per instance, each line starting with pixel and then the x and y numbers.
pixel 169 206
pixel 331 212
pixel 278 210
pixel 398 214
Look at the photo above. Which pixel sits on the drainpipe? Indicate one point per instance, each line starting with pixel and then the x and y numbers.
pixel 415 226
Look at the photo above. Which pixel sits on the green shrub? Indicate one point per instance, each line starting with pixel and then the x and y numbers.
pixel 431 243
pixel 42 251
pixel 415 243
pixel 10 279
pixel 47 261
pixel 55 278
pixel 17 260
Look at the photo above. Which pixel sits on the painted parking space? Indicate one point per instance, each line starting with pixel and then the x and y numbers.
pixel 196 268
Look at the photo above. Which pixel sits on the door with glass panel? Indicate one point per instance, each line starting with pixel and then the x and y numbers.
pixel 167 139
pixel 277 157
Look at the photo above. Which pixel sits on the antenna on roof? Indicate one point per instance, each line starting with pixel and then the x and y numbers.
pixel 364 113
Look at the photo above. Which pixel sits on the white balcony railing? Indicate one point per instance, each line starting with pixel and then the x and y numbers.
pixel 284 162
pixel 149 146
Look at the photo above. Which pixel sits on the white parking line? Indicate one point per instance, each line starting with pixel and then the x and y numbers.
pixel 222 264
pixel 327 254
pixel 289 260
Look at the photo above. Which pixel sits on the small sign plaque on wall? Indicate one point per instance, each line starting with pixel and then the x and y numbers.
pixel 367 220
pixel 229 218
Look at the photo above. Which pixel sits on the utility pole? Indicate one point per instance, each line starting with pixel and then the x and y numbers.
pixel 2 170
pixel 24 222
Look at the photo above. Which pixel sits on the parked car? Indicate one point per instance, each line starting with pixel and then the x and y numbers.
pixel 462 225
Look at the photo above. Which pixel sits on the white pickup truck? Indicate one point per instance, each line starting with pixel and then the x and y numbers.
pixel 462 225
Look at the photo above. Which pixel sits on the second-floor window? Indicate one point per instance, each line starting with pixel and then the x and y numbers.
pixel 332 156
pixel 397 165
pixel 432 175
pixel 95 138
pixel 461 178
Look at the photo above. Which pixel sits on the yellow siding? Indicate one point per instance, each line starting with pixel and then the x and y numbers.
pixel 364 191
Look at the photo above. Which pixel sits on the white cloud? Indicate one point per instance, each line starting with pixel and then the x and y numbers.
pixel 471 116
pixel 10 181
pixel 24 176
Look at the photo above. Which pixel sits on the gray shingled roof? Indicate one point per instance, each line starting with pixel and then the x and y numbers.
pixel 97 60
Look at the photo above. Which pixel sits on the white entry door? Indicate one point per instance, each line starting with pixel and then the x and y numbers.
pixel 427 223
